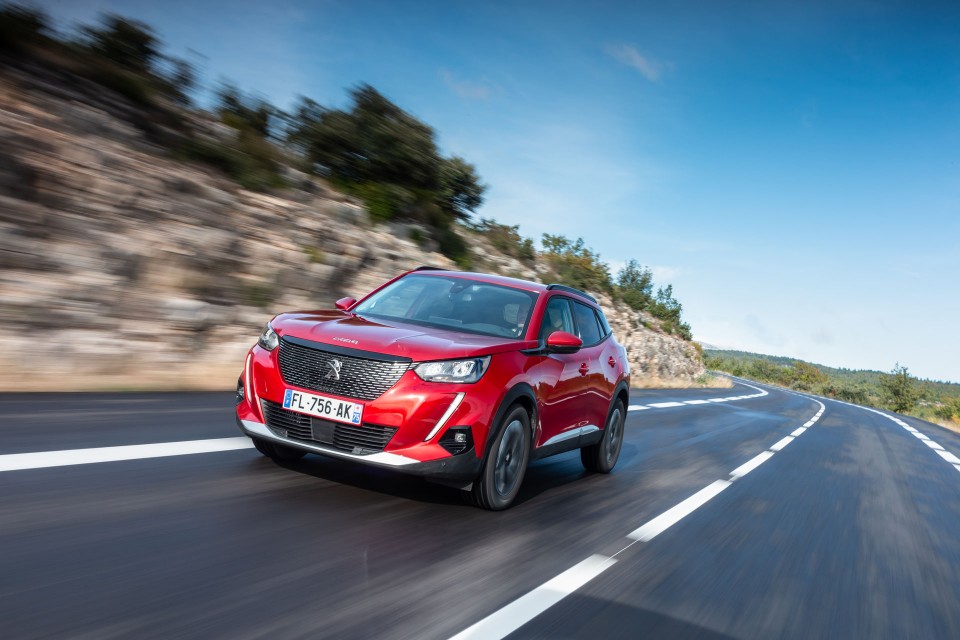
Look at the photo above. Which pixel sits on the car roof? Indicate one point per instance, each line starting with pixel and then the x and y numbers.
pixel 516 283
pixel 489 278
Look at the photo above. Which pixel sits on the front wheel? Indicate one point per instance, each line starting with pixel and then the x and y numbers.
pixel 603 456
pixel 506 463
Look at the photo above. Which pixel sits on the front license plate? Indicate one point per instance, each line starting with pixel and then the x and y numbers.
pixel 323 407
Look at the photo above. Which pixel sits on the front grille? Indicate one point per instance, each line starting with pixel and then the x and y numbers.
pixel 363 378
pixel 366 439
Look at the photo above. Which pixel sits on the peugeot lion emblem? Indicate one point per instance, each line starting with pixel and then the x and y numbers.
pixel 334 373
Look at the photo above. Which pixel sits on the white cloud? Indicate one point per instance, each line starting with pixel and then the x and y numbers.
pixel 466 89
pixel 648 67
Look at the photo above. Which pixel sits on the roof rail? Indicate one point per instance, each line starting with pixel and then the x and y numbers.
pixel 429 268
pixel 563 287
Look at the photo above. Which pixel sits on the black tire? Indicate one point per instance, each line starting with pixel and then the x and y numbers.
pixel 278 452
pixel 602 457
pixel 506 462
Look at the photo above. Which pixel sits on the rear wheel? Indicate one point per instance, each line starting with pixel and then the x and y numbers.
pixel 603 456
pixel 278 452
pixel 506 463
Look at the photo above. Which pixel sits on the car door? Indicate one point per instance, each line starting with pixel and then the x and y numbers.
pixel 596 390
pixel 561 384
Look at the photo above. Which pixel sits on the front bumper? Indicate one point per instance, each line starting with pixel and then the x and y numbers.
pixel 455 470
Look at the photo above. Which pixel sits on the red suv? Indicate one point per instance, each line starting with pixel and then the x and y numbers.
pixel 462 378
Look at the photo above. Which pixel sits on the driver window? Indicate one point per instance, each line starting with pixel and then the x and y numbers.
pixel 556 317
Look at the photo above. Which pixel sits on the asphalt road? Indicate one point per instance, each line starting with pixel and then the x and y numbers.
pixel 716 523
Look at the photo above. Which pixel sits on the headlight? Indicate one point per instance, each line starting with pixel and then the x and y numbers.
pixel 268 338
pixel 468 370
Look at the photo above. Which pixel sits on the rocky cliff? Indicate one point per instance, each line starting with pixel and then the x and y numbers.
pixel 122 267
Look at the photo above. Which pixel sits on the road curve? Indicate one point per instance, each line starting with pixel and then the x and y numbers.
pixel 733 513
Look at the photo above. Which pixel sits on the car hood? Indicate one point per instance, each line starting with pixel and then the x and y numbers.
pixel 343 329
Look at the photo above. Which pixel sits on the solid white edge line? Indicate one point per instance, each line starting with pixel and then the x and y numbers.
pixel 671 516
pixel 933 445
pixel 67 457
pixel 697 402
pixel 505 621
pixel 782 443
pixel 751 464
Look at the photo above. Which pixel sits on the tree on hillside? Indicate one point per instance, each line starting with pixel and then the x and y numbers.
pixel 128 43
pixel 635 285
pixel 22 25
pixel 575 264
pixel 669 309
pixel 244 112
pixel 381 153
pixel 899 389
pixel 375 141
pixel 460 190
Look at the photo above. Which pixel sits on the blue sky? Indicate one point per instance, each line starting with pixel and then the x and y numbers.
pixel 790 167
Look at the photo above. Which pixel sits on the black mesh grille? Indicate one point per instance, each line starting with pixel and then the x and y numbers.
pixel 361 378
pixel 369 438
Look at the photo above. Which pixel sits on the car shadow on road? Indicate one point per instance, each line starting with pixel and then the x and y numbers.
pixel 542 477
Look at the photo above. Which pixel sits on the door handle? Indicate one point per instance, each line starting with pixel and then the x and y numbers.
pixel 612 361
pixel 584 368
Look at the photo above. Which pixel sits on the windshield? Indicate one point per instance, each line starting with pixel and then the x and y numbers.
pixel 453 303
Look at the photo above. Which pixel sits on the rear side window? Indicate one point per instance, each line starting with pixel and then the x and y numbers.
pixel 604 325
pixel 588 327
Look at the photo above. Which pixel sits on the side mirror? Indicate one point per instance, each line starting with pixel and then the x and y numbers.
pixel 563 342
pixel 345 303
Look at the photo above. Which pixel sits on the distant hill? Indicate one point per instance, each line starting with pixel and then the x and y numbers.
pixel 936 400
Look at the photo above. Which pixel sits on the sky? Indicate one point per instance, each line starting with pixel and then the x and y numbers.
pixel 791 168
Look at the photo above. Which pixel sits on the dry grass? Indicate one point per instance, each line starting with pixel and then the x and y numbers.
pixel 703 382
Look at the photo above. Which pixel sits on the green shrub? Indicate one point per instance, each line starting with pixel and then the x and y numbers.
pixel 454 247
pixel 506 238
pixel 635 285
pixel 575 265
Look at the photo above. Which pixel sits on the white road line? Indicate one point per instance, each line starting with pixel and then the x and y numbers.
pixel 514 615
pixel 666 405
pixel 673 515
pixel 752 464
pixel 44 459
pixel 949 457
pixel 781 444
pixel 809 423
pixel 505 621
pixel 946 455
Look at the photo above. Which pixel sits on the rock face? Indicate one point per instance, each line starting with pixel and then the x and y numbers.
pixel 123 268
